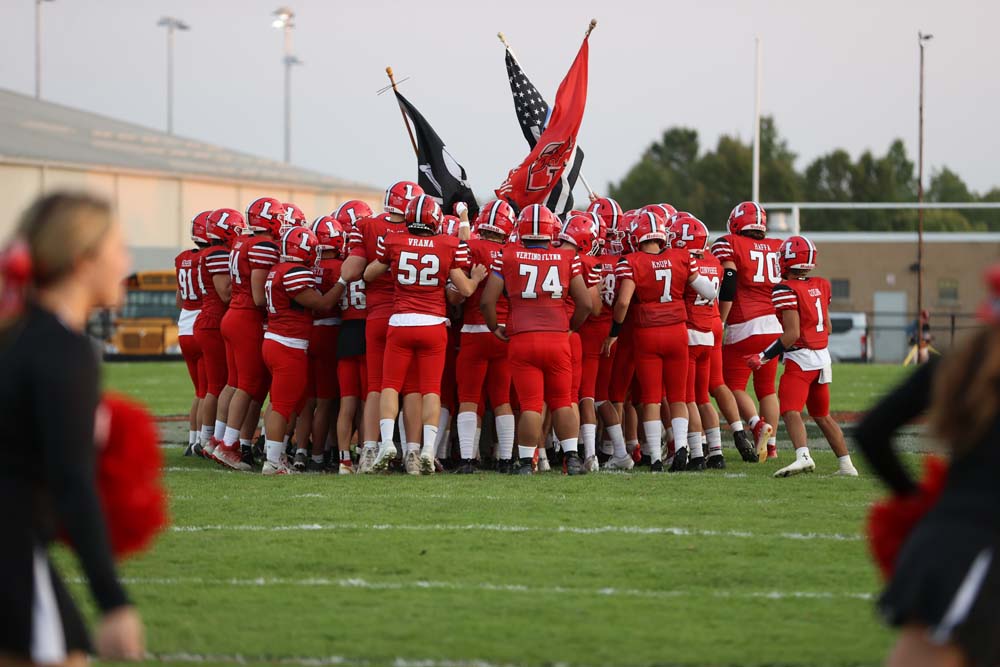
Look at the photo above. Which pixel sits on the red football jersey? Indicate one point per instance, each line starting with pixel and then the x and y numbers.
pixel 364 242
pixel 420 266
pixel 353 304
pixel 758 270
pixel 213 261
pixel 326 274
pixel 249 253
pixel 590 269
pixel 189 278
pixel 537 280
pixel 660 282
pixel 285 317
pixel 608 287
pixel 811 297
pixel 484 252
pixel 703 315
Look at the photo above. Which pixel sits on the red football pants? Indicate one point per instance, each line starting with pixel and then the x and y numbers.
pixel 483 360
pixel 800 389
pixel 737 373
pixel 661 363
pixel 289 369
pixel 422 347
pixel 541 368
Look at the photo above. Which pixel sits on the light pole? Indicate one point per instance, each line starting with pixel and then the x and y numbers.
pixel 38 48
pixel 922 39
pixel 755 186
pixel 171 24
pixel 285 20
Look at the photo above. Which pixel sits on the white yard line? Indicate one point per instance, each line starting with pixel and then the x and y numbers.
pixel 318 661
pixel 503 528
pixel 355 582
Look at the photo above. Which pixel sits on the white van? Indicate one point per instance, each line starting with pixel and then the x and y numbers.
pixel 849 337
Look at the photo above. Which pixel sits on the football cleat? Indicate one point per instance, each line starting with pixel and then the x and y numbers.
pixel 279 468
pixel 801 464
pixel 345 468
pixel 772 451
pixel 427 463
pixel 411 463
pixel 696 464
pixel 313 466
pixel 745 446
pixel 367 459
pixel 847 472
pixel 229 456
pixel 543 464
pixel 619 464
pixel 208 451
pixel 246 455
pixel 466 468
pixel 656 467
pixel 505 466
pixel 199 450
pixel 572 465
pixel 526 467
pixel 679 464
pixel 383 457
pixel 761 434
pixel 190 450
pixel 591 464
pixel 716 462
pixel 644 461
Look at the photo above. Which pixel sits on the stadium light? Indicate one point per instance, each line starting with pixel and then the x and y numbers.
pixel 171 24
pixel 38 47
pixel 284 19
pixel 922 39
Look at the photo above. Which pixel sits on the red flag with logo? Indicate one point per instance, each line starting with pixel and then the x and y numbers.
pixel 533 180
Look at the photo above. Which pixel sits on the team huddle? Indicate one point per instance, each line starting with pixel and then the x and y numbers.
pixel 598 341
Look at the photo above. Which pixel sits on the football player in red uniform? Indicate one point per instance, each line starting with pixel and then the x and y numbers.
pixel 580 234
pixel 802 302
pixel 352 373
pixel 315 418
pixel 222 228
pixel 294 217
pixel 243 329
pixel 379 298
pixel 482 357
pixel 658 277
pixel 536 277
pixel 189 299
pixel 421 262
pixel 291 298
pixel 752 269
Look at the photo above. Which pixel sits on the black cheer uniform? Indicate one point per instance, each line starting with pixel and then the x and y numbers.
pixel 947 575
pixel 49 392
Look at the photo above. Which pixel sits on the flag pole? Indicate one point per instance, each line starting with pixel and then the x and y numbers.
pixel 406 121
pixel 590 29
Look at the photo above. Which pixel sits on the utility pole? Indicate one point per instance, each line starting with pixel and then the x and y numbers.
pixel 922 39
pixel 755 196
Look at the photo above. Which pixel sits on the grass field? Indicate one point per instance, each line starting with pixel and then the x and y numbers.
pixel 166 388
pixel 721 568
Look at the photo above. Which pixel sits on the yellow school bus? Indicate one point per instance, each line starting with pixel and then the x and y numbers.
pixel 147 323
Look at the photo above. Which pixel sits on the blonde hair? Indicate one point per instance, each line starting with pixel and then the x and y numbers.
pixel 61 228
pixel 966 398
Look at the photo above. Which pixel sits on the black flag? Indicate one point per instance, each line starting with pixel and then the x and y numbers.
pixel 533 114
pixel 439 174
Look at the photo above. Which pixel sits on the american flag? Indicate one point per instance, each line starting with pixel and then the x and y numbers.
pixel 533 114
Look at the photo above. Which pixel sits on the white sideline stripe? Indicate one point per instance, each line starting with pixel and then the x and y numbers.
pixel 355 582
pixel 500 528
pixel 319 661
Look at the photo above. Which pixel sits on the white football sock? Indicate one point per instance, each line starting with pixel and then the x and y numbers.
pixel 466 433
pixel 444 444
pixel 192 437
pixel 231 436
pixel 845 462
pixel 386 427
pixel 402 427
pixel 588 433
pixel 543 454
pixel 654 431
pixel 220 429
pixel 206 434
pixel 609 449
pixel 694 445
pixel 413 447
pixel 371 443
pixel 430 440
pixel 526 452
pixel 753 421
pixel 680 428
pixel 444 421
pixel 617 440
pixel 714 436
pixel 802 453
pixel 300 450
pixel 569 445
pixel 772 441
pixel 736 426
pixel 505 436
pixel 245 442
pixel 630 445
pixel 274 450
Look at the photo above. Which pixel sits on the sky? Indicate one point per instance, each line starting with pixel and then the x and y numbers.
pixel 835 75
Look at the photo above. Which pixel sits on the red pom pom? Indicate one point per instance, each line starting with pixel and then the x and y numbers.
pixel 129 466
pixel 890 521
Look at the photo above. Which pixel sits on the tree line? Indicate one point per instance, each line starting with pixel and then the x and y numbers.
pixel 708 184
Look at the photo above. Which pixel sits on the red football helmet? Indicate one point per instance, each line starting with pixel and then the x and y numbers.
pixel 449 225
pixel 330 234
pixel 748 216
pixel 497 217
pixel 266 214
pixel 294 215
pixel 536 223
pixel 608 210
pixel 225 224
pixel 199 233
pixel 689 232
pixel 299 244
pixel 351 211
pixel 423 215
pixel 649 225
pixel 797 252
pixel 668 211
pixel 581 231
pixel 398 196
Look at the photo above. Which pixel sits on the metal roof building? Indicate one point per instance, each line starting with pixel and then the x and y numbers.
pixel 155 181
